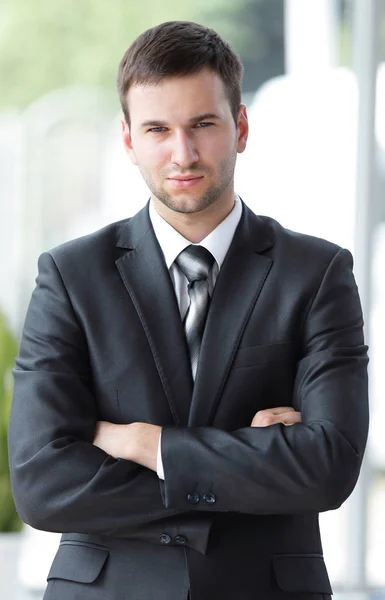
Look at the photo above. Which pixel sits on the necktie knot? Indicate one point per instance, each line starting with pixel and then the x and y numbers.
pixel 195 262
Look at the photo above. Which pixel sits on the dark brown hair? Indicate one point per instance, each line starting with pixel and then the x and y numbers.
pixel 178 48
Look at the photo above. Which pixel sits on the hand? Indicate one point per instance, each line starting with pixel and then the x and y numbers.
pixel 113 438
pixel 137 442
pixel 281 414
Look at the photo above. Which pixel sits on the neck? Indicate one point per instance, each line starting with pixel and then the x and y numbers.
pixel 196 226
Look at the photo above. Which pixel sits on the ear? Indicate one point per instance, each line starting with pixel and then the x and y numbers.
pixel 127 141
pixel 243 128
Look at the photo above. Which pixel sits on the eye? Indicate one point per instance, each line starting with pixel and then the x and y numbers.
pixel 204 124
pixel 156 130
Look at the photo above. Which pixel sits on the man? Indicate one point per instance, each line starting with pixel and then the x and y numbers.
pixel 191 387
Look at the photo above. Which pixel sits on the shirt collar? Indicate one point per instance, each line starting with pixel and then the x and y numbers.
pixel 217 242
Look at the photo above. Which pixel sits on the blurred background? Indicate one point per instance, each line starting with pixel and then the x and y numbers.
pixel 314 85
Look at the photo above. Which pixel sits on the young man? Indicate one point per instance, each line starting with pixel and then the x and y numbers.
pixel 191 387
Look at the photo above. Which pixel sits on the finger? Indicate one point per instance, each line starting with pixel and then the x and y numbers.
pixel 275 410
pixel 290 418
pixel 267 412
pixel 287 418
pixel 264 420
pixel 279 410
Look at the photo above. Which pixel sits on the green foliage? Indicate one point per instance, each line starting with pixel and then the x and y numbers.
pixel 9 520
pixel 46 45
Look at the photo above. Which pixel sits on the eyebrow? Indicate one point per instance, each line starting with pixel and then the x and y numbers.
pixel 197 119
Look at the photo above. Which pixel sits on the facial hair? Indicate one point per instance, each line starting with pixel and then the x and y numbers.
pixel 211 195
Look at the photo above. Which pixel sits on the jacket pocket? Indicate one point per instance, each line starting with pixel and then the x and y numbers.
pixel 78 562
pixel 302 573
pixel 261 356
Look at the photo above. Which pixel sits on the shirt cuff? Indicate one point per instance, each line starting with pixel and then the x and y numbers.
pixel 159 462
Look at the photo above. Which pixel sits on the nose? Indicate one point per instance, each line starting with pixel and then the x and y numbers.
pixel 184 152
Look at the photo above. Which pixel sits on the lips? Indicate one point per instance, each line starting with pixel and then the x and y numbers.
pixel 185 182
pixel 186 177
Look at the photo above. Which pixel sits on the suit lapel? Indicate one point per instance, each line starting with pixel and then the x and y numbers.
pixel 238 286
pixel 149 285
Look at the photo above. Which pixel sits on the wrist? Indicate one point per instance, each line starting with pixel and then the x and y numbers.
pixel 132 446
pixel 143 444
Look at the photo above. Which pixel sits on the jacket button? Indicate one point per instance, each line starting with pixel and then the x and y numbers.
pixel 193 498
pixel 209 498
pixel 165 538
pixel 180 540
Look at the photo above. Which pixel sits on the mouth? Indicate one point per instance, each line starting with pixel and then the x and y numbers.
pixel 184 182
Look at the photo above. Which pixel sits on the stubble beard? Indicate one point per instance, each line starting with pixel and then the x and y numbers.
pixel 189 204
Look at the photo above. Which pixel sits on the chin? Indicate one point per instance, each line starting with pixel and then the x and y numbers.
pixel 183 203
pixel 188 206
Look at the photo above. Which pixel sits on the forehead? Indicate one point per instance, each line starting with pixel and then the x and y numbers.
pixel 179 98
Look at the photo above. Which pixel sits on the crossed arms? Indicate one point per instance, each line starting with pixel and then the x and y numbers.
pixel 139 442
pixel 64 480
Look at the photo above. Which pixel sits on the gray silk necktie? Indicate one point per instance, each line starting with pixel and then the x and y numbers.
pixel 196 262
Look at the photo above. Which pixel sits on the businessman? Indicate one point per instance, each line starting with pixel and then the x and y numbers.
pixel 191 386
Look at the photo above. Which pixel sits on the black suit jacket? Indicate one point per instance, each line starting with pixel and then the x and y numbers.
pixel 237 515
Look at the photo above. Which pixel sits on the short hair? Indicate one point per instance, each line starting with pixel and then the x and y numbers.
pixel 178 48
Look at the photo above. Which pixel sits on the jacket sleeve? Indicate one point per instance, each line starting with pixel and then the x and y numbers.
pixel 61 481
pixel 311 466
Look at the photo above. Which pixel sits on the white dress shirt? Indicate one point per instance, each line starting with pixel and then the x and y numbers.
pixel 172 243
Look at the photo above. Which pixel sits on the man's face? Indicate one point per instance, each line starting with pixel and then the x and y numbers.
pixel 184 140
